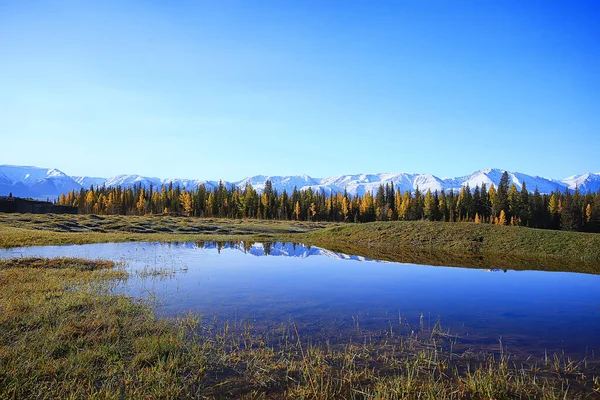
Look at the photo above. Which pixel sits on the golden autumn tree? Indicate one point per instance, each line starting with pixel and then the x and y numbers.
pixel 367 207
pixel 502 218
pixel 90 201
pixel 297 211
pixel 185 198
pixel 141 204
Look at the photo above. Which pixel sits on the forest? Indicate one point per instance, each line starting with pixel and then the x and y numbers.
pixel 504 205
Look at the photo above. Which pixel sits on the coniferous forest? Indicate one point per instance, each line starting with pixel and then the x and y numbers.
pixel 504 205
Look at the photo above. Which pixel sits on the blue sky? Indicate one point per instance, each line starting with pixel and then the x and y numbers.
pixel 223 89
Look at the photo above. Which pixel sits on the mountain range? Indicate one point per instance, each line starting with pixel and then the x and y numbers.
pixel 278 249
pixel 49 183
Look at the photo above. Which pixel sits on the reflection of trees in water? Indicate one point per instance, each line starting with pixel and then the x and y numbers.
pixel 247 245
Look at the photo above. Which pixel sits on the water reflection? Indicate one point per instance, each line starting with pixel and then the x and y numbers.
pixel 333 296
pixel 259 249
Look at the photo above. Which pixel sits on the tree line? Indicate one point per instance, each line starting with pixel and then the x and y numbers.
pixel 504 205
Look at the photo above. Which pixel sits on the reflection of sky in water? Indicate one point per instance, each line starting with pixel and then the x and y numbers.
pixel 316 287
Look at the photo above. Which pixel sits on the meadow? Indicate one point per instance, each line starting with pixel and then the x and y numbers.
pixel 64 333
pixel 421 242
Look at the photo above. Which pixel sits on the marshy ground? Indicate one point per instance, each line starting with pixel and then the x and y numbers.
pixel 64 334
pixel 432 243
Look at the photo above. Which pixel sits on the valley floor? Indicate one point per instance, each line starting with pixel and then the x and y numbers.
pixel 432 243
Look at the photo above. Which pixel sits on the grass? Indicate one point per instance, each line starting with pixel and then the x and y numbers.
pixel 432 243
pixel 56 229
pixel 465 245
pixel 65 334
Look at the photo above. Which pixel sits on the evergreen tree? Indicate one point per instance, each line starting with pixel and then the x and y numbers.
pixel 478 207
pixel 554 210
pixel 419 205
pixel 431 207
pixel 570 217
pixel 514 202
pixel 486 205
pixel 524 206
pixel 501 200
pixel 443 207
pixel 538 214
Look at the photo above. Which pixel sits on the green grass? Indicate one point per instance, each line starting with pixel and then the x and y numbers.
pixel 64 334
pixel 53 229
pixel 465 245
pixel 432 243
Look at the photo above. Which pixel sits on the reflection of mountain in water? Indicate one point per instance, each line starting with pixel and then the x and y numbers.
pixel 277 249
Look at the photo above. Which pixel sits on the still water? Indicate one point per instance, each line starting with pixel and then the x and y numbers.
pixel 329 293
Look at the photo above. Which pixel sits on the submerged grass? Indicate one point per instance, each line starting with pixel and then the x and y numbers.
pixel 65 334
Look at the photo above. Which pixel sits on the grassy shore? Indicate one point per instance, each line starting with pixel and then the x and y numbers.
pixel 52 229
pixel 433 243
pixel 465 245
pixel 64 334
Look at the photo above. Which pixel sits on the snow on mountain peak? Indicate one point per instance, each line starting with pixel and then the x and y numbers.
pixel 50 182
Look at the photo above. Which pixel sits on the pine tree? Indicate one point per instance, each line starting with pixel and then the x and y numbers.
pixel 419 204
pixel 501 201
pixel 492 201
pixel 397 204
pixel 538 212
pixel 381 206
pixel 514 202
pixel 443 207
pixel 431 209
pixel 554 208
pixel 477 202
pixel 486 205
pixel 525 206
pixel 570 217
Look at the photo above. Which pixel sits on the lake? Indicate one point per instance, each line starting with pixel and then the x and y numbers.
pixel 334 296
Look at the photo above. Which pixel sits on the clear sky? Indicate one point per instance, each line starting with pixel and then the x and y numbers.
pixel 227 89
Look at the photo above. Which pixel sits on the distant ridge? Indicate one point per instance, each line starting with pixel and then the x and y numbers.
pixel 43 183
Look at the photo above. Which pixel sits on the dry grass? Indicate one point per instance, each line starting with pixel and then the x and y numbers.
pixel 64 334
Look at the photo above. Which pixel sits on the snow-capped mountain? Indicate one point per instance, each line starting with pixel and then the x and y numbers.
pixel 586 182
pixel 43 183
pixel 38 183
pixel 279 182
pixel 278 249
